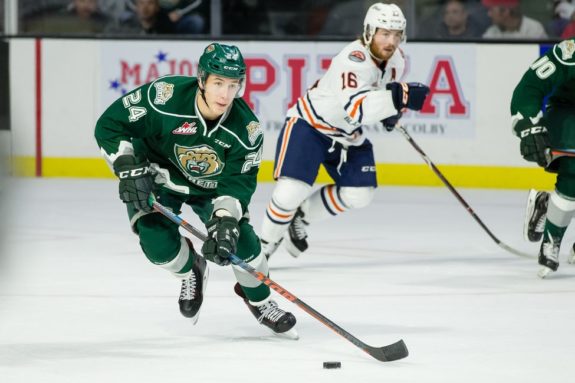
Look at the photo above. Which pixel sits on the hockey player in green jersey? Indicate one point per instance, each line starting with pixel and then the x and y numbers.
pixel 548 138
pixel 194 141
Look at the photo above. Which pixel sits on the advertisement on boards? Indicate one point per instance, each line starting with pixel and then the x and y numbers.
pixel 280 72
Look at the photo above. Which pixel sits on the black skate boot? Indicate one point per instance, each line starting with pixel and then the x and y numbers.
pixel 548 256
pixel 193 288
pixel 270 315
pixel 535 215
pixel 296 242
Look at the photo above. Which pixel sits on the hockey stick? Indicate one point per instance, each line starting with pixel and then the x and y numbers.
pixel 395 351
pixel 553 154
pixel 458 196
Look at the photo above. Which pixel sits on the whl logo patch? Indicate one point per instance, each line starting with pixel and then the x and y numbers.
pixel 186 128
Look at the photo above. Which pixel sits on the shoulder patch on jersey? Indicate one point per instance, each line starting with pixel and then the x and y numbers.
pixel 567 48
pixel 254 131
pixel 164 91
pixel 357 56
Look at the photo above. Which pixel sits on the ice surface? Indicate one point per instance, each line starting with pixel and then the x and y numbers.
pixel 80 303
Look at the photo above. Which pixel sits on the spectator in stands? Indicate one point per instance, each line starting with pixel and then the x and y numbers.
pixel 456 23
pixel 117 10
pixel 565 11
pixel 509 23
pixel 148 18
pixel 188 15
pixel 78 16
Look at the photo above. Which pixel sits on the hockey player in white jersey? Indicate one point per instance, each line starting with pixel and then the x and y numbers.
pixel 325 127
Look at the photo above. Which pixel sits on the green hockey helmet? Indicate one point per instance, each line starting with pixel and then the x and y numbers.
pixel 223 60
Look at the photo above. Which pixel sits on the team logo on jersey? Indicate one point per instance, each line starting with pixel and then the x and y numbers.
pixel 164 91
pixel 567 49
pixel 254 131
pixel 198 161
pixel 357 56
pixel 186 128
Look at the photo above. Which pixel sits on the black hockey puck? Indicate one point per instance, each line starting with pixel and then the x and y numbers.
pixel 331 364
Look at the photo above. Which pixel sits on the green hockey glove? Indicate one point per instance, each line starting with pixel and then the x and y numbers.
pixel 535 142
pixel 223 235
pixel 136 183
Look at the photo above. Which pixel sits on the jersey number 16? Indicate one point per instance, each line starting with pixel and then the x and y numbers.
pixel 348 80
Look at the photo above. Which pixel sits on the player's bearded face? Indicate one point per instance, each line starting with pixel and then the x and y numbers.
pixel 220 92
pixel 385 42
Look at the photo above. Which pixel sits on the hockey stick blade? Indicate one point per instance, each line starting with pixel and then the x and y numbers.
pixel 457 195
pixel 395 351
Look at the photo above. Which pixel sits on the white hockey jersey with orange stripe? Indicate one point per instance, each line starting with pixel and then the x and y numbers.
pixel 350 94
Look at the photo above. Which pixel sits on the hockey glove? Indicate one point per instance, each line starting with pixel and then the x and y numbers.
pixel 223 235
pixel 390 122
pixel 534 141
pixel 410 95
pixel 136 182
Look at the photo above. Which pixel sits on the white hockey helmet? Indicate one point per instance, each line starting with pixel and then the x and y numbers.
pixel 387 16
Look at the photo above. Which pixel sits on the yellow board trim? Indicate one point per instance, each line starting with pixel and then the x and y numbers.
pixel 499 177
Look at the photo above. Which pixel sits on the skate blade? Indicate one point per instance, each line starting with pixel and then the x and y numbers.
pixel 544 272
pixel 195 318
pixel 289 335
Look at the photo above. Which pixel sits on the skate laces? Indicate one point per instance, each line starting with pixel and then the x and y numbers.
pixel 540 225
pixel 271 311
pixel 298 226
pixel 188 287
pixel 551 250
pixel 540 209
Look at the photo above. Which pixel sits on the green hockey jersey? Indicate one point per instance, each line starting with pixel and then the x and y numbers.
pixel 552 74
pixel 160 121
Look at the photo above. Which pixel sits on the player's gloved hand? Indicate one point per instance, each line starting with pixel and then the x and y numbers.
pixel 390 122
pixel 565 10
pixel 410 95
pixel 223 235
pixel 534 141
pixel 136 182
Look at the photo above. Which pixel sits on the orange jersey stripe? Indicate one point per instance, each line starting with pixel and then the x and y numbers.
pixel 356 107
pixel 310 118
pixel 283 149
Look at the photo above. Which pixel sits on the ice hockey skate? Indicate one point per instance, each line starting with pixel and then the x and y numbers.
pixel 268 313
pixel 535 215
pixel 268 248
pixel 548 257
pixel 193 288
pixel 296 235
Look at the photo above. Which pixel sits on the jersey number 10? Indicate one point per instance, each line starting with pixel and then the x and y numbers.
pixel 543 67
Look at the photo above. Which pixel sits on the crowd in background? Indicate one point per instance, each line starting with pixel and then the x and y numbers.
pixel 427 19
